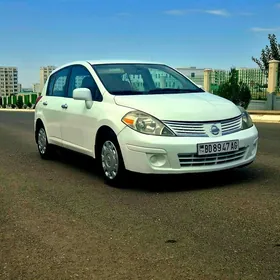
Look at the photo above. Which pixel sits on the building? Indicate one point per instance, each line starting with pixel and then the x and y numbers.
pixel 8 81
pixel 249 76
pixel 255 79
pixel 26 90
pixel 252 76
pixel 193 73
pixel 162 80
pixel 36 88
pixel 219 76
pixel 45 72
pixel 19 87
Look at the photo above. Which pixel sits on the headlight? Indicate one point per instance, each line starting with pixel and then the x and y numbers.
pixel 146 124
pixel 246 119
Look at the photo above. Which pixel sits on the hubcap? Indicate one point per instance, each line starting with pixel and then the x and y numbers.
pixel 42 141
pixel 110 160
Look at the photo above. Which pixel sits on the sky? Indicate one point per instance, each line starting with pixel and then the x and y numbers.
pixel 205 34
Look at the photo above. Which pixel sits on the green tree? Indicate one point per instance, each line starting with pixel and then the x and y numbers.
pixel 20 102
pixel 237 92
pixel 268 53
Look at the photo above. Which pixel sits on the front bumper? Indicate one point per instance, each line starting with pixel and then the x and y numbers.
pixel 161 155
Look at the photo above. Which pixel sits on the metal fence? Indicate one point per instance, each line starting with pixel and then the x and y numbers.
pixel 256 81
pixel 26 99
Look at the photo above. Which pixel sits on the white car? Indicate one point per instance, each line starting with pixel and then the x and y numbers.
pixel 142 117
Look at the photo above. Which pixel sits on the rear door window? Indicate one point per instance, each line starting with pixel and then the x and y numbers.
pixel 58 83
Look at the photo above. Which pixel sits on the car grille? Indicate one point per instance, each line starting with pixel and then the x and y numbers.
pixel 187 129
pixel 198 129
pixel 187 160
pixel 232 125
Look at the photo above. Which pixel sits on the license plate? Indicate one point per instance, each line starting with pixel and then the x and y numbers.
pixel 217 147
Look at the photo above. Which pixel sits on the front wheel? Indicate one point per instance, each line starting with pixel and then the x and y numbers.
pixel 45 149
pixel 111 161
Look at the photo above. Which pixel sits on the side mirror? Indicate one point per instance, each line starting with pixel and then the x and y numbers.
pixel 83 94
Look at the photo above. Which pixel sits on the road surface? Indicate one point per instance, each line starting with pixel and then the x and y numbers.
pixel 59 221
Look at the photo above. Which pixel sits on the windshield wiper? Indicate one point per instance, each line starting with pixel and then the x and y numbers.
pixel 173 90
pixel 155 91
pixel 126 92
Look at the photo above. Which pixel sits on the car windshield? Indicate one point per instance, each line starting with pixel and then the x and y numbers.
pixel 137 79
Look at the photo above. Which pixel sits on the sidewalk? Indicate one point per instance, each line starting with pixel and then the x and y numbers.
pixel 262 112
pixel 259 116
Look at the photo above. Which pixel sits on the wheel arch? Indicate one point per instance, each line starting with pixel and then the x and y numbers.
pixel 100 134
pixel 106 125
pixel 39 124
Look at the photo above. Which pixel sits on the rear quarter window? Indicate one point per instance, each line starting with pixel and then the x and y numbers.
pixel 57 85
pixel 50 85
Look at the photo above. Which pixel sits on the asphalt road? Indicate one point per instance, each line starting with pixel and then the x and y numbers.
pixel 59 221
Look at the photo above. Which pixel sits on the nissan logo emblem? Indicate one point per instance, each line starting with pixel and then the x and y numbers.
pixel 215 130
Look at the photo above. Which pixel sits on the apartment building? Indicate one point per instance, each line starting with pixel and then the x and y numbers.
pixel 219 76
pixel 36 87
pixel 19 87
pixel 8 81
pixel 45 72
pixel 193 73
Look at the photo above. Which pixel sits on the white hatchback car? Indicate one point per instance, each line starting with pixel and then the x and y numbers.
pixel 141 117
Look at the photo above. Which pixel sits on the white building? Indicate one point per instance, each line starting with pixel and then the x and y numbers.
pixel 193 73
pixel 45 72
pixel 36 88
pixel 19 87
pixel 8 81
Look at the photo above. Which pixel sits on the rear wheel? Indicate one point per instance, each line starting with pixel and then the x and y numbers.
pixel 111 161
pixel 46 150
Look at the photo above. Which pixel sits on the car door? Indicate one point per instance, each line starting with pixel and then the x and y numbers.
pixel 55 94
pixel 78 124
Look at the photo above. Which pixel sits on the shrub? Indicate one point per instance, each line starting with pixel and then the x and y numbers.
pixel 20 102
pixel 237 92
pixel 29 104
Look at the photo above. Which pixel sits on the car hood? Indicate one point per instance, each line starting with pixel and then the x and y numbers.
pixel 181 107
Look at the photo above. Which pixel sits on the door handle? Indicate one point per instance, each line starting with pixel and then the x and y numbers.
pixel 64 106
pixel 45 103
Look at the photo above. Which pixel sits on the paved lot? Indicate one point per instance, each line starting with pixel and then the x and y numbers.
pixel 59 221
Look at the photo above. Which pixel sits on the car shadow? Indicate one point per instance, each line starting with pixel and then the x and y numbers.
pixel 195 182
pixel 167 183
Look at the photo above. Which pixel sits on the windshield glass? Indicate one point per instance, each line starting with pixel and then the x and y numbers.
pixel 136 79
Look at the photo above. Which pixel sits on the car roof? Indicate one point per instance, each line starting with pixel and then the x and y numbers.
pixel 99 62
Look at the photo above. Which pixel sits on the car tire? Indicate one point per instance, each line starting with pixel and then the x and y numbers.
pixel 46 150
pixel 110 161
